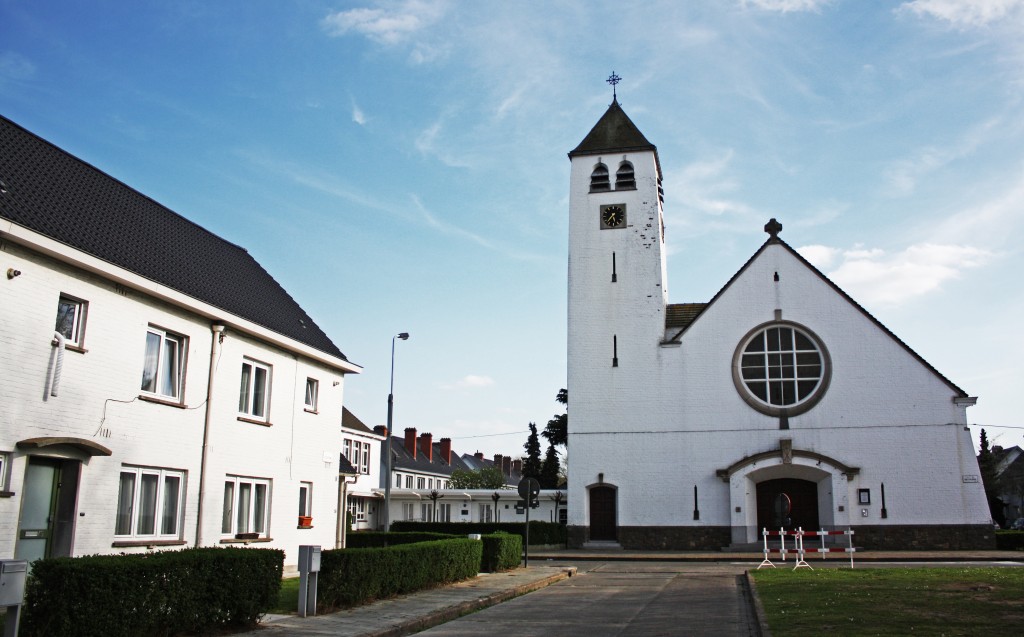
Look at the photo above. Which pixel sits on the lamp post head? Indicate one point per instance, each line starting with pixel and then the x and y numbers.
pixel 404 336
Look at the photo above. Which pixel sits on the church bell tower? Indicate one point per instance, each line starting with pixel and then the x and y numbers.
pixel 617 295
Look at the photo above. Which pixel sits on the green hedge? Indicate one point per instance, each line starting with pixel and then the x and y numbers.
pixel 169 592
pixel 502 551
pixel 540 532
pixel 1010 540
pixel 355 576
pixel 379 539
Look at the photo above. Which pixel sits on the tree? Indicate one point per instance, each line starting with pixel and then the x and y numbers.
pixel 557 429
pixel 549 469
pixel 531 463
pixel 485 478
pixel 987 465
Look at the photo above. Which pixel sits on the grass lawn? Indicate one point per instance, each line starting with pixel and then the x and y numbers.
pixel 288 598
pixel 892 601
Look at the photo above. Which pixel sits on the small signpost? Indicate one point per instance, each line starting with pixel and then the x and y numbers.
pixel 529 490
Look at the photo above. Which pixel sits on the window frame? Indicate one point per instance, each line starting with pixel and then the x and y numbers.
pixel 247 390
pixel 159 505
pixel 801 405
pixel 165 336
pixel 305 499
pixel 5 474
pixel 77 340
pixel 230 517
pixel 312 398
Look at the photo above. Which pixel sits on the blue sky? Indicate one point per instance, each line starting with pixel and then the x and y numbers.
pixel 401 166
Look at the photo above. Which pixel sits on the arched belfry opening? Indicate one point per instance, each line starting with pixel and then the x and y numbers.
pixel 599 180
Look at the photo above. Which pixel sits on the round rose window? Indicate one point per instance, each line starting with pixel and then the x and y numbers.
pixel 781 368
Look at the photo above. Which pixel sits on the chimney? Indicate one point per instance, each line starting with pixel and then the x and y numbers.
pixel 517 466
pixel 506 465
pixel 996 449
pixel 479 455
pixel 427 446
pixel 381 430
pixel 446 450
pixel 497 461
pixel 410 441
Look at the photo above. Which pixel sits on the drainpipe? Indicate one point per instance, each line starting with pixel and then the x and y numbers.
pixel 341 530
pixel 216 340
pixel 58 363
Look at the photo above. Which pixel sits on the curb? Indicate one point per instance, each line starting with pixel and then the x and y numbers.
pixel 449 613
pixel 755 600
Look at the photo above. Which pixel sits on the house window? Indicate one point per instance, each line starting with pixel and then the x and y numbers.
pixel 426 512
pixel 305 499
pixel 346 450
pixel 444 512
pixel 409 510
pixel 357 508
pixel 366 458
pixel 485 513
pixel 421 483
pixel 781 369
pixel 149 503
pixel 5 463
pixel 599 179
pixel 408 482
pixel 71 319
pixel 246 504
pixel 624 177
pixel 254 393
pixel 312 391
pixel 164 363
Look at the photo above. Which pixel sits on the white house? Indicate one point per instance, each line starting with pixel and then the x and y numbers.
pixel 161 389
pixel 360 446
pixel 474 505
pixel 779 402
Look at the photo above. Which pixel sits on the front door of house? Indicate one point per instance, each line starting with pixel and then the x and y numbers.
pixel 602 514
pixel 787 503
pixel 48 507
pixel 38 509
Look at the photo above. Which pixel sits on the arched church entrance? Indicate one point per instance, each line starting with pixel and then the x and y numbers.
pixel 788 503
pixel 602 514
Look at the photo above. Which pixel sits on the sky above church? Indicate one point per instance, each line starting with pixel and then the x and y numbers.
pixel 401 166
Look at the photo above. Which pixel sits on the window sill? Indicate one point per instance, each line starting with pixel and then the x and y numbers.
pixel 304 527
pixel 231 540
pixel 253 421
pixel 162 401
pixel 147 543
pixel 7 494
pixel 69 347
pixel 310 411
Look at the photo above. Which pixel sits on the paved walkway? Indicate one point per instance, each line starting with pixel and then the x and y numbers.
pixel 609 592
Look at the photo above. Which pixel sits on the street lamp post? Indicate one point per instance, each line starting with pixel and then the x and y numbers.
pixel 391 405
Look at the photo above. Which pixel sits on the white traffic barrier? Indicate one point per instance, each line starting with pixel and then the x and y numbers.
pixel 781 550
pixel 800 550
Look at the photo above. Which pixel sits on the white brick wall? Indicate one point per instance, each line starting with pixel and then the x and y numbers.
pixel 99 401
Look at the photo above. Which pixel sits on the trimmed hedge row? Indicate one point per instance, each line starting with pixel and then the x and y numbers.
pixel 355 576
pixel 540 532
pixel 1010 540
pixel 380 539
pixel 502 551
pixel 169 592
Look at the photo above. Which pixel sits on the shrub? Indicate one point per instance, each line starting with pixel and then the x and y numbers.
pixel 169 592
pixel 540 532
pixel 379 539
pixel 354 576
pixel 502 551
pixel 1010 540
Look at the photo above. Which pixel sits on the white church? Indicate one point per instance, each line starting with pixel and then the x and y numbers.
pixel 780 402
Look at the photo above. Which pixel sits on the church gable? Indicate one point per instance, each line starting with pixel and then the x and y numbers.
pixel 794 338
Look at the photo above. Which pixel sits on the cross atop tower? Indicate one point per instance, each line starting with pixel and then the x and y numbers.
pixel 614 79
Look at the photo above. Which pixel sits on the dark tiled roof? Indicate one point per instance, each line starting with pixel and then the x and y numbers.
pixel 614 132
pixel 682 314
pixel 344 466
pixel 60 196
pixel 404 460
pixel 349 421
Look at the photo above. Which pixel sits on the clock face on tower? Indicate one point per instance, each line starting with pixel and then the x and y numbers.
pixel 613 216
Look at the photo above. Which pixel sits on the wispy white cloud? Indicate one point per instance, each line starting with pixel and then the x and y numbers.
pixel 388 26
pixel 903 175
pixel 357 114
pixel 966 13
pixel 15 66
pixel 787 6
pixel 471 381
pixel 876 277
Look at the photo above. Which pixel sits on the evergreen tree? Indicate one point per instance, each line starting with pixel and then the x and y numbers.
pixel 531 463
pixel 549 469
pixel 557 429
pixel 987 465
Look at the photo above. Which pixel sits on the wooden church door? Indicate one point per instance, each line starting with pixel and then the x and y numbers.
pixel 787 502
pixel 602 514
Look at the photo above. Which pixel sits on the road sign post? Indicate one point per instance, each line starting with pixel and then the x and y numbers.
pixel 529 489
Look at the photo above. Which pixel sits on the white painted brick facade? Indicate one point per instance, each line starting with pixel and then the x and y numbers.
pixel 99 400
pixel 668 417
